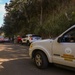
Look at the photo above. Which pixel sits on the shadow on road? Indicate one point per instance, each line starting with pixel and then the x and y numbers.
pixel 9 51
pixel 26 67
pixel 14 60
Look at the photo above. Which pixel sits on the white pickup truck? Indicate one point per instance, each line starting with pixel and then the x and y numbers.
pixel 60 51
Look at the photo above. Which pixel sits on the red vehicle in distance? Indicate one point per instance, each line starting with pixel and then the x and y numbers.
pixel 19 39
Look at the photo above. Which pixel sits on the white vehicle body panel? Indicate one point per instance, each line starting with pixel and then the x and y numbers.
pixel 45 46
pixel 64 53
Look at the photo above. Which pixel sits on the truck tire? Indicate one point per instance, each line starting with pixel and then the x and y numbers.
pixel 28 43
pixel 40 60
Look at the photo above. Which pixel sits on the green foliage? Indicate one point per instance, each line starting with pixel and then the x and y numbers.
pixel 25 17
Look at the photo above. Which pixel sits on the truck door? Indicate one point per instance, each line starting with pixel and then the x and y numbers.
pixel 64 51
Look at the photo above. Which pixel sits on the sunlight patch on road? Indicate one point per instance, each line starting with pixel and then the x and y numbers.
pixel 12 53
pixel 1 66
pixel 10 48
pixel 3 47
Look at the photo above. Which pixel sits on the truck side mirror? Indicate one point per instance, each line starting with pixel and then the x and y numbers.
pixel 59 39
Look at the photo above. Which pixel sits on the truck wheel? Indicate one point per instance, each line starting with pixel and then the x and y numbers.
pixel 40 60
pixel 28 43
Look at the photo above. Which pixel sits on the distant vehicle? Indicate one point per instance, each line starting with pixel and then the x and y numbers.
pixel 6 40
pixel 1 39
pixel 29 38
pixel 19 39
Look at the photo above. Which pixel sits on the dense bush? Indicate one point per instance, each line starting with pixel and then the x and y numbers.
pixel 48 18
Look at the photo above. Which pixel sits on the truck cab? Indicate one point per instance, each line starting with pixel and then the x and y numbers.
pixel 58 51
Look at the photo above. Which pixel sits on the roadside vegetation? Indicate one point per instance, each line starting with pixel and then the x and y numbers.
pixel 47 18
